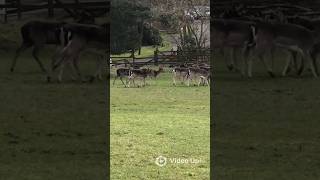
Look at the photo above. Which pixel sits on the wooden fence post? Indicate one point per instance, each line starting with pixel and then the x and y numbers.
pixel 156 57
pixel 50 8
pixel 133 58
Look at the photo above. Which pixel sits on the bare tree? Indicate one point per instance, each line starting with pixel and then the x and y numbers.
pixel 193 22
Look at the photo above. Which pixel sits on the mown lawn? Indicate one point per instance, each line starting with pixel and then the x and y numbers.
pixel 266 128
pixel 155 120
pixel 50 131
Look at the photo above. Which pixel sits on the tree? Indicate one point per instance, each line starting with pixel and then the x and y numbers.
pixel 187 18
pixel 127 18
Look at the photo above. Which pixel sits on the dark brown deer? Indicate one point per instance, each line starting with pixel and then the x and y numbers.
pixel 141 74
pixel 121 73
pixel 36 34
pixel 181 74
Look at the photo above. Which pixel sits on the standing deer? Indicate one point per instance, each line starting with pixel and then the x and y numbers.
pixel 121 73
pixel 234 34
pixel 82 37
pixel 199 75
pixel 143 74
pixel 181 74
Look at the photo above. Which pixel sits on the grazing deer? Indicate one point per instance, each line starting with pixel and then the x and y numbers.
pixel 199 75
pixel 121 73
pixel 141 74
pixel 82 37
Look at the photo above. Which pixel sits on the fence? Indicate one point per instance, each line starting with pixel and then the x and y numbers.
pixel 8 7
pixel 166 57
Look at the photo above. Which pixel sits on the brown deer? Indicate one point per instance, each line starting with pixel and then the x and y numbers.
pixel 121 73
pixel 198 76
pixel 143 74
pixel 181 74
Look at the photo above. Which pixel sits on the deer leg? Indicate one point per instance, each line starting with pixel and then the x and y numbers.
pixel 272 50
pixel 230 65
pixel 199 82
pixel 75 61
pixel 262 58
pixel 286 68
pixel 311 63
pixel 122 81
pixel 174 80
pixel 295 60
pixel 21 49
pixel 115 80
pixel 314 54
pixel 35 54
pixel 245 55
pixel 128 82
pixel 250 68
pixel 72 71
pixel 61 72
pixel 207 81
pixel 188 81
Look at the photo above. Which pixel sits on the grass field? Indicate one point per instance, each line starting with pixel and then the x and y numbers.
pixel 50 131
pixel 155 120
pixel 266 128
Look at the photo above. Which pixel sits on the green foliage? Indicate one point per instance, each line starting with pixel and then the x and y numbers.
pixel 126 20
pixel 151 36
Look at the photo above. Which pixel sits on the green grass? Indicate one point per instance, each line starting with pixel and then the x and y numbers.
pixel 50 131
pixel 266 128
pixel 155 120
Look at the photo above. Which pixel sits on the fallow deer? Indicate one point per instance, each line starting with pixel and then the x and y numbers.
pixel 121 73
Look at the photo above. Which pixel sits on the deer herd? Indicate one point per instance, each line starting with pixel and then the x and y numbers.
pixel 255 38
pixel 199 74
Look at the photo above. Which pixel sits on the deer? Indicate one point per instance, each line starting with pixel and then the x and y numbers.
pixel 313 25
pixel 121 73
pixel 180 73
pixel 36 34
pixel 82 37
pixel 138 73
pixel 199 75
pixel 287 36
pixel 234 34
pixel 143 74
